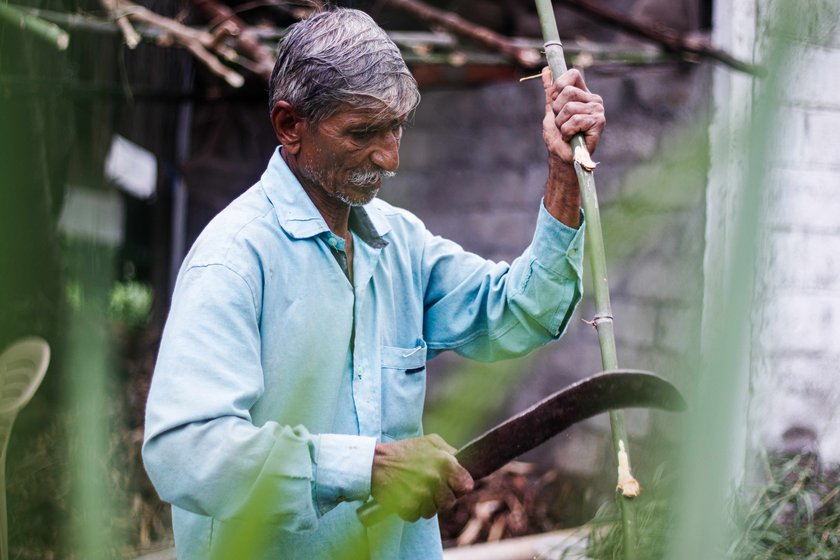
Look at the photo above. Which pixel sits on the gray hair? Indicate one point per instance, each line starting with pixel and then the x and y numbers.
pixel 341 56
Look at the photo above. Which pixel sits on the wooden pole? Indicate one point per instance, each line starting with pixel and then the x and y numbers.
pixel 603 321
pixel 223 19
pixel 669 38
pixel 455 24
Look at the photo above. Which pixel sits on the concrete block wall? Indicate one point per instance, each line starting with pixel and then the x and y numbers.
pixel 796 342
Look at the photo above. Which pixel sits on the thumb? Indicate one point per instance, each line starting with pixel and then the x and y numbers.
pixel 548 85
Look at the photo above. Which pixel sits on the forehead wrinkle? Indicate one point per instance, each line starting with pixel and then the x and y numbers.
pixel 372 118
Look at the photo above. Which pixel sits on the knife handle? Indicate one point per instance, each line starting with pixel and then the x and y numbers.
pixel 371 513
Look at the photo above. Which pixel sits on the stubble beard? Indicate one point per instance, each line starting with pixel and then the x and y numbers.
pixel 362 181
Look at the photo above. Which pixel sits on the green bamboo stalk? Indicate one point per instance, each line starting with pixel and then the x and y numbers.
pixel 44 30
pixel 597 259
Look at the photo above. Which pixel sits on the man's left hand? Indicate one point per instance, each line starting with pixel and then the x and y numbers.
pixel 570 108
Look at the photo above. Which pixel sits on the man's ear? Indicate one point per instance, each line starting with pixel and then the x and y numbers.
pixel 288 125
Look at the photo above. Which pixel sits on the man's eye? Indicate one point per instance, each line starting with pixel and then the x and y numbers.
pixel 365 134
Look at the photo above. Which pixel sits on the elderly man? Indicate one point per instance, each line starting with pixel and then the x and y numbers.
pixel 291 376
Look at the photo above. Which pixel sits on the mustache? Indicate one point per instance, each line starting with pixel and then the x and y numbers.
pixel 371 176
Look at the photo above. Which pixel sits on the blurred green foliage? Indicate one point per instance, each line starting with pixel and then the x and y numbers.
pixel 130 303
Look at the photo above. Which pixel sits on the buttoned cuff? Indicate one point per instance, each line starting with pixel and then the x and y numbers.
pixel 556 246
pixel 343 469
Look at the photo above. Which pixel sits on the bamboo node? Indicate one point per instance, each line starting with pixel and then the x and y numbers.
pixel 597 319
pixel 628 485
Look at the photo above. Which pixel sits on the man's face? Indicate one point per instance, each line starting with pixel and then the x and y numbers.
pixel 347 155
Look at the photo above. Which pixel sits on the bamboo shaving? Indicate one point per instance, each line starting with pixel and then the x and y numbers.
pixel 531 77
pixel 628 485
pixel 584 159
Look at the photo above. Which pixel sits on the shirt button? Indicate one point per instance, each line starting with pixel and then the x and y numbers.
pixel 572 252
pixel 333 242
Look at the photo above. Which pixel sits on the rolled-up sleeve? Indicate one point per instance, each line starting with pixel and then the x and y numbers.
pixel 490 311
pixel 202 451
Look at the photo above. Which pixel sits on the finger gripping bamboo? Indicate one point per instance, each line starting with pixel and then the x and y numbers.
pixel 597 259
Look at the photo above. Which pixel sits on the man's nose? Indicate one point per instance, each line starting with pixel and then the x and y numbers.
pixel 386 152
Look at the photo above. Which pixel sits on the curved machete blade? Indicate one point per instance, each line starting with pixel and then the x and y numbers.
pixel 609 390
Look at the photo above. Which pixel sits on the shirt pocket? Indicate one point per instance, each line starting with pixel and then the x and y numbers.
pixel 403 390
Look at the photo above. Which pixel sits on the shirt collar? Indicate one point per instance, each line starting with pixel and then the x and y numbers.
pixel 298 215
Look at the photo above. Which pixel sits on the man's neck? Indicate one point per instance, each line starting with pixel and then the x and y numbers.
pixel 335 212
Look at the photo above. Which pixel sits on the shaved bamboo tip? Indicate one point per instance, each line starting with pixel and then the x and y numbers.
pixel 584 159
pixel 234 79
pixel 529 57
pixel 628 485
pixel 132 39
pixel 62 42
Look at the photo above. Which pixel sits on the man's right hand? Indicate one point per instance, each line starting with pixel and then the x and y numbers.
pixel 417 477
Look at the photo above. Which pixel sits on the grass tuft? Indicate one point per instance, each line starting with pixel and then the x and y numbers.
pixel 795 514
pixel 791 514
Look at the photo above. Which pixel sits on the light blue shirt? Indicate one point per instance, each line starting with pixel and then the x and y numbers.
pixel 276 376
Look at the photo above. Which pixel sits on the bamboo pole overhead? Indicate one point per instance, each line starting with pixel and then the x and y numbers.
pixel 234 43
